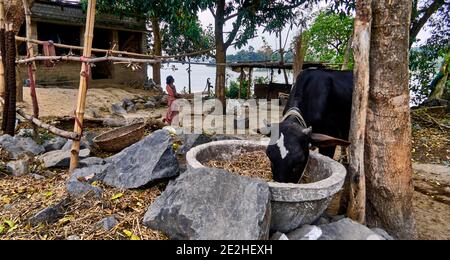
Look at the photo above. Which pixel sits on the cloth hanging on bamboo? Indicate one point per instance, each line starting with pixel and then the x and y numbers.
pixel 49 50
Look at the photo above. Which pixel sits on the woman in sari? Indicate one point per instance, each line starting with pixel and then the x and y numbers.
pixel 173 95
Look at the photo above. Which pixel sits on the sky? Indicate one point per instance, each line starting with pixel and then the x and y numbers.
pixel 206 19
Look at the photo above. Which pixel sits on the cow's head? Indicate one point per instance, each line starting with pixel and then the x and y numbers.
pixel 289 149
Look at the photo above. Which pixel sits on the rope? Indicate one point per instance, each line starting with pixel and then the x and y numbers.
pixel 295 112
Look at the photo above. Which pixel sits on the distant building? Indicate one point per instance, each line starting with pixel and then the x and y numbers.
pixel 64 22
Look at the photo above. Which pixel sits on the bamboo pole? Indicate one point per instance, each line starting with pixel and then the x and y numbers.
pixel 2 68
pixel 73 47
pixel 362 36
pixel 81 103
pixel 31 67
pixel 86 60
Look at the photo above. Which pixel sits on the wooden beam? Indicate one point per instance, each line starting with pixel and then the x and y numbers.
pixel 84 79
pixel 362 36
pixel 31 67
pixel 50 128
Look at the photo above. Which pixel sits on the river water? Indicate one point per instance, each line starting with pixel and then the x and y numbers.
pixel 200 74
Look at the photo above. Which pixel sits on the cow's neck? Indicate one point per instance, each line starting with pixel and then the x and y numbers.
pixel 295 115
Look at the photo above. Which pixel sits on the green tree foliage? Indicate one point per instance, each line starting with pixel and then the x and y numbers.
pixel 181 30
pixel 427 59
pixel 329 37
pixel 233 90
pixel 187 36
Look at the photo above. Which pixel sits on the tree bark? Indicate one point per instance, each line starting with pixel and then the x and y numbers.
pixel 221 54
pixel 2 42
pixel 388 132
pixel 6 90
pixel 250 82
pixel 301 45
pixel 157 49
pixel 189 75
pixel 10 65
pixel 347 54
pixel 282 57
pixel 357 205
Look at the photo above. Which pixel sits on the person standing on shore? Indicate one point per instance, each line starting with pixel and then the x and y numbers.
pixel 173 96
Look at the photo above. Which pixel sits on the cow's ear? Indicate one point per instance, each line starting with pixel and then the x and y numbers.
pixel 324 141
pixel 267 131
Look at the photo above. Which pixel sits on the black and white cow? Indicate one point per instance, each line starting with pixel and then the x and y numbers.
pixel 318 114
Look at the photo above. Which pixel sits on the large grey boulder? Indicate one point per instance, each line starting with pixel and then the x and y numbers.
pixel 190 141
pixel 19 146
pixel 306 232
pixel 80 182
pixel 212 204
pixel 91 161
pixel 383 233
pixel 129 106
pixel 50 214
pixel 348 229
pixel 19 167
pixel 60 158
pixel 68 145
pixel 54 144
pixel 149 104
pixel 148 161
pixel 118 110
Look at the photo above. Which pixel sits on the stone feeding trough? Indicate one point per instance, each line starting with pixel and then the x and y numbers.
pixel 293 205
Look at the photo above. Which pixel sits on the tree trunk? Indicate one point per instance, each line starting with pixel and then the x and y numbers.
pixel 189 74
pixel 221 53
pixel 11 81
pixel 301 45
pixel 357 206
pixel 6 90
pixel 388 133
pixel 2 42
pixel 220 77
pixel 282 58
pixel 157 49
pixel 348 54
pixel 250 82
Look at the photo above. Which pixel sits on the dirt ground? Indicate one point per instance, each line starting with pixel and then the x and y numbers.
pixel 22 197
pixel 59 102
